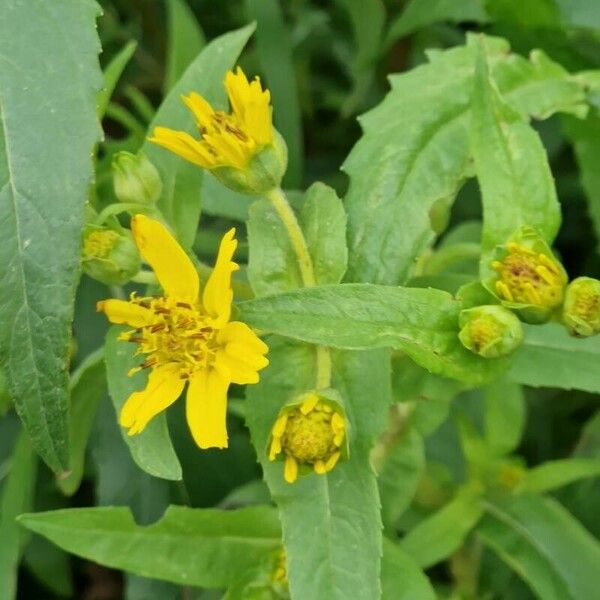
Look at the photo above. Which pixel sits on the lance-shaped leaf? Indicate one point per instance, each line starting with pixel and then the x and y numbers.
pixel 152 449
pixel 414 153
pixel 180 199
pixel 512 168
pixel 47 132
pixel 545 546
pixel 421 322
pixel 331 523
pixel 203 547
pixel 550 357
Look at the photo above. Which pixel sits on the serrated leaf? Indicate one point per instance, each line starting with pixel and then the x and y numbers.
pixel 545 546
pixel 401 578
pixel 180 198
pixel 47 132
pixel 88 387
pixel 423 323
pixel 152 449
pixel 437 536
pixel 549 357
pixel 511 165
pixel 185 40
pixel 323 222
pixel 414 150
pixel 17 497
pixel 329 521
pixel 205 547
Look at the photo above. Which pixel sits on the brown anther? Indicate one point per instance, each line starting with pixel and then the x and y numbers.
pixel 157 327
pixel 183 304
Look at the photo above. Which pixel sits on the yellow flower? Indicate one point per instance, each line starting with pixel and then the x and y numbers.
pixel 310 433
pixel 186 337
pixel 228 139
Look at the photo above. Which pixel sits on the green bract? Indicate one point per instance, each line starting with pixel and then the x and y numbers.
pixel 581 310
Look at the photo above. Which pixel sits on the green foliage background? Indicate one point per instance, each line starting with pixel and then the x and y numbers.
pixel 421 145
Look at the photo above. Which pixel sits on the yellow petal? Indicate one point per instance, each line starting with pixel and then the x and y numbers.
pixel 332 461
pixel 309 404
pixel 122 311
pixel 201 109
pixel 206 409
pixel 236 85
pixel 163 388
pixel 279 425
pixel 319 467
pixel 218 294
pixel 275 448
pixel 184 145
pixel 160 249
pixel 238 332
pixel 290 469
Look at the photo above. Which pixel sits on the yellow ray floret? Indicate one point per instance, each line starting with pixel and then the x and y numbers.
pixel 186 337
pixel 227 139
pixel 311 433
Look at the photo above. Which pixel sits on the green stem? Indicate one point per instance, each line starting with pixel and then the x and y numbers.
pixel 307 273
pixel 147 277
pixel 121 207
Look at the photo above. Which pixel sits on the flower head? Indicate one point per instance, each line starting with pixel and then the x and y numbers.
pixel 135 178
pixel 240 147
pixel 490 331
pixel 581 310
pixel 528 277
pixel 310 433
pixel 108 255
pixel 185 337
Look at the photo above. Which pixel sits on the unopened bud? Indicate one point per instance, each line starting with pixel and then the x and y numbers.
pixel 310 433
pixel 109 256
pixel 135 178
pixel 264 170
pixel 529 279
pixel 581 310
pixel 490 331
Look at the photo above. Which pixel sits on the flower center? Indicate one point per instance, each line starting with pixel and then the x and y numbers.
pixel 309 438
pixel 98 244
pixel 179 334
pixel 529 278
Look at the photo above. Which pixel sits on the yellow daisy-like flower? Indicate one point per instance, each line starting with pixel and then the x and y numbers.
pixel 186 337
pixel 228 139
pixel 311 433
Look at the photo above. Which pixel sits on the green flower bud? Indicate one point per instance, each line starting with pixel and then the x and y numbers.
pixel 264 170
pixel 528 278
pixel 135 178
pixel 109 256
pixel 581 310
pixel 490 331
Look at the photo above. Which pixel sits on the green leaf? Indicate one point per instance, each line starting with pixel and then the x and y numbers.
pixel 549 357
pixel 180 199
pixel 556 473
pixel 112 72
pixel 399 476
pixel 545 546
pixel 274 47
pixel 437 536
pixel 504 416
pixel 272 265
pixel 152 449
pixel 219 201
pixel 205 547
pixel 512 168
pixel 411 158
pixel 17 497
pixel 423 323
pixel 49 565
pixel 88 387
pixel 401 578
pixel 47 131
pixel 585 137
pixel 185 40
pixel 367 18
pixel 420 13
pixel 331 523
pixel 323 222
